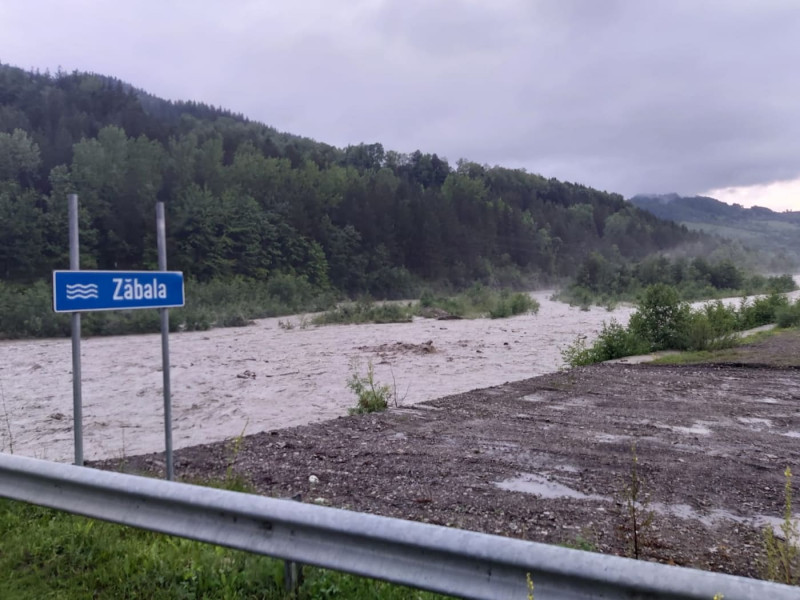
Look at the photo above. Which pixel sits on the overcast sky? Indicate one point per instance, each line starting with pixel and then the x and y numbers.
pixel 690 96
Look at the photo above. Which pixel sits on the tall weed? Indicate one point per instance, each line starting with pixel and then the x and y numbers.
pixel 372 397
pixel 782 562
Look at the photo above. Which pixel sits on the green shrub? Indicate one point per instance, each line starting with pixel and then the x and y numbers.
pixel 722 319
pixel 710 328
pixel 613 341
pixel 577 295
pixel 195 319
pixel 578 354
pixel 662 318
pixel 788 316
pixel 755 284
pixel 481 301
pixel 427 299
pixel 480 298
pixel 616 341
pixel 762 311
pixel 371 397
pixel 508 305
pixel 522 303
pixel 701 333
pixel 365 311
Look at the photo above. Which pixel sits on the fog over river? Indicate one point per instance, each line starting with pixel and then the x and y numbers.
pixel 264 376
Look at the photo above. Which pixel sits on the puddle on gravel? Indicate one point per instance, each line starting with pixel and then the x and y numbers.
pixel 530 483
pixel 697 428
pixel 534 398
pixel 716 516
pixel 610 438
pixel 538 485
pixel 766 400
pixel 755 421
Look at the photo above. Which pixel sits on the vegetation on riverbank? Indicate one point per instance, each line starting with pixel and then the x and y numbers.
pixel 27 310
pixel 664 322
pixel 476 302
pixel 605 282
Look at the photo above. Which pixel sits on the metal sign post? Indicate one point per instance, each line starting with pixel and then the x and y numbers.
pixel 77 291
pixel 161 237
pixel 77 400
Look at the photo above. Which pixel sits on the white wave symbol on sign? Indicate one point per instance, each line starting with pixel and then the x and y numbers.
pixel 84 292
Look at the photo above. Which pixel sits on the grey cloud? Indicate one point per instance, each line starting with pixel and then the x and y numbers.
pixel 625 95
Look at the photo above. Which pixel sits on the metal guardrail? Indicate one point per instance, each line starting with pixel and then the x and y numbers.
pixel 430 557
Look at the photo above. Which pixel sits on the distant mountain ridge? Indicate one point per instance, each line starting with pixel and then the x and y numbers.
pixel 702 208
pixel 777 233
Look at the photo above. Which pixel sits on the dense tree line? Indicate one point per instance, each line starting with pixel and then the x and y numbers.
pixel 246 200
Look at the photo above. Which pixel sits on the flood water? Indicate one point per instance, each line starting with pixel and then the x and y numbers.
pixel 265 376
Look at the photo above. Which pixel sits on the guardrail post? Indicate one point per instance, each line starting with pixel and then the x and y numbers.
pixel 293 571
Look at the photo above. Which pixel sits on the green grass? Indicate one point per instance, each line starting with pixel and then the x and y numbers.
pixel 723 355
pixel 46 554
pixel 579 542
pixel 688 358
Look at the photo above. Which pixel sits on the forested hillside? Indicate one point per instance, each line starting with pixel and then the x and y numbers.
pixel 245 200
pixel 776 233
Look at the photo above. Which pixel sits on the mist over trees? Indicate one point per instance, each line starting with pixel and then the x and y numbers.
pixel 776 234
pixel 244 200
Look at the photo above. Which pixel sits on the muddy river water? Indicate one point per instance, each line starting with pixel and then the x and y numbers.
pixel 265 376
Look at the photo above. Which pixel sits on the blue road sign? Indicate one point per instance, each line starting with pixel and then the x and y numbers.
pixel 84 291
